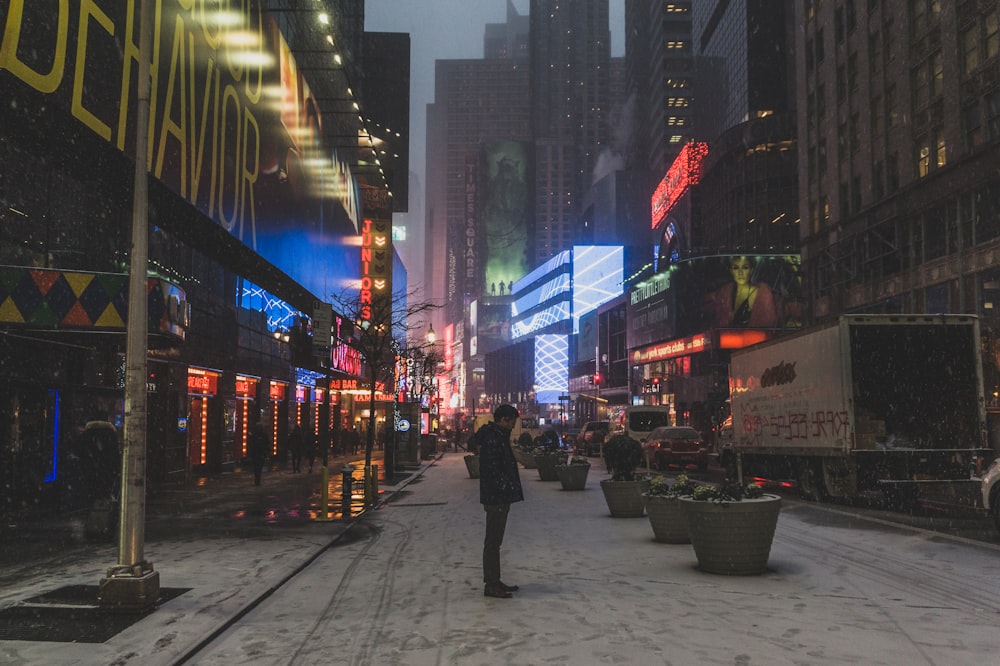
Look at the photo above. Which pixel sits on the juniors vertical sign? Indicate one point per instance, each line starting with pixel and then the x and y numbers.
pixel 376 271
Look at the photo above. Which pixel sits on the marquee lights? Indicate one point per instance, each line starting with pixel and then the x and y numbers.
pixel 683 173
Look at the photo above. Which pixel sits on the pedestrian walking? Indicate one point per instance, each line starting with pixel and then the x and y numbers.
pixel 296 443
pixel 310 449
pixel 499 487
pixel 258 451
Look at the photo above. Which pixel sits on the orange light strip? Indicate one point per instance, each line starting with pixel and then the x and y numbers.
pixel 243 434
pixel 204 430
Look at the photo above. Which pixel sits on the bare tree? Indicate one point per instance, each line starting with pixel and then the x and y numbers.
pixel 382 330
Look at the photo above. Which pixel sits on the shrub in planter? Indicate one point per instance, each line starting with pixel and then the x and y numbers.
pixel 573 474
pixel 547 455
pixel 623 491
pixel 524 450
pixel 664 510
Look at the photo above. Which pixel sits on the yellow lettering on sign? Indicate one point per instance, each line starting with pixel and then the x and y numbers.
pixel 88 9
pixel 43 82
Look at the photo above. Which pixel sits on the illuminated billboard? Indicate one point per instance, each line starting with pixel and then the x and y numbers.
pixel 682 174
pixel 551 368
pixel 505 196
pixel 234 128
pixel 717 292
pixel 598 274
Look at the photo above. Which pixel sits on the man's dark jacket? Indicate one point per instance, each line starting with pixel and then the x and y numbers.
pixel 499 480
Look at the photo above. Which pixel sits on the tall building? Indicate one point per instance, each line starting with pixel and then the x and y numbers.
pixel 570 84
pixel 659 57
pixel 476 101
pixel 899 138
pixel 745 110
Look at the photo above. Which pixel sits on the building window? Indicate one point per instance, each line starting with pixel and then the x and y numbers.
pixel 936 74
pixel 841 84
pixel 970 50
pixel 991 28
pixel 921 84
pixel 892 173
pixel 890 105
pixel 940 151
pixel 973 126
pixel 923 158
pixel 878 116
pixel 875 51
pixel 993 116
pixel 878 176
pixel 821 157
pixel 819 46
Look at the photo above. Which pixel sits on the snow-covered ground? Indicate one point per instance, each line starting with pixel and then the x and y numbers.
pixel 404 586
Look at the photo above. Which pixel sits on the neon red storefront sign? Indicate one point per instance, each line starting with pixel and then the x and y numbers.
pixel 202 382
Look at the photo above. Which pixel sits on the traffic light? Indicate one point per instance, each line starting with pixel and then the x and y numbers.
pixel 597 379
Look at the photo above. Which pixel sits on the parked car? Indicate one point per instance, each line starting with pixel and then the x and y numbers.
pixel 676 445
pixel 991 491
pixel 591 437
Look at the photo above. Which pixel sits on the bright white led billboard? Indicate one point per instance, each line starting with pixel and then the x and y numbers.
pixel 598 274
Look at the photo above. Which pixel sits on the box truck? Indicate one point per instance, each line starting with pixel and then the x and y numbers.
pixel 881 404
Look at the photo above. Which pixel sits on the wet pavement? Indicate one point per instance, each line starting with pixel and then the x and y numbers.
pixel 228 505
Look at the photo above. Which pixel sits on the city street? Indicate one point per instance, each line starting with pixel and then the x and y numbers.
pixel 403 585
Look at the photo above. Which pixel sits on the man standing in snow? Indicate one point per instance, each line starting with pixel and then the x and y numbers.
pixel 499 487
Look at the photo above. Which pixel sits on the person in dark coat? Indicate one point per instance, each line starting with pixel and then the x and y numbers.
pixel 258 451
pixel 499 487
pixel 296 443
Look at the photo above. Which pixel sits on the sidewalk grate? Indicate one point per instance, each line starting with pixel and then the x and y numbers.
pixel 70 614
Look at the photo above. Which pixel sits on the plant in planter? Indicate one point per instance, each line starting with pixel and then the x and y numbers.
pixel 664 509
pixel 731 527
pixel 547 455
pixel 573 473
pixel 524 450
pixel 623 491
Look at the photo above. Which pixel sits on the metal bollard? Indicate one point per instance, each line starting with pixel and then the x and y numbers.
pixel 324 496
pixel 347 480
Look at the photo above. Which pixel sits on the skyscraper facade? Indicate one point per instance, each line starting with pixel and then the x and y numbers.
pixel 570 58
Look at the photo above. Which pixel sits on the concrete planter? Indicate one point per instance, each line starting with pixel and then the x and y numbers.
pixel 624 498
pixel 666 519
pixel 573 477
pixel 472 464
pixel 526 459
pixel 732 538
pixel 546 465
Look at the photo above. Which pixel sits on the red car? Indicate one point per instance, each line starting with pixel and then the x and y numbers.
pixel 676 445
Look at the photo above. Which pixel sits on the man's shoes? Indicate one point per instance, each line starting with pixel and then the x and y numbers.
pixel 496 590
pixel 509 588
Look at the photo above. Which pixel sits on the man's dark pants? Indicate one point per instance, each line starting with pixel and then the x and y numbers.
pixel 496 524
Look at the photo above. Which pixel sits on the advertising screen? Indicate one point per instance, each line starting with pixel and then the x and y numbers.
pixel 505 213
pixel 717 292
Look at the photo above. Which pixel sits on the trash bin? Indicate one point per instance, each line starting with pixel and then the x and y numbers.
pixel 428 446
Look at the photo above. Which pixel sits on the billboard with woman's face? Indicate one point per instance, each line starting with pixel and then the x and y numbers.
pixel 722 291
pixel 752 291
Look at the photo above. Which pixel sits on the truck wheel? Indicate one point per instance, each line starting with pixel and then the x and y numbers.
pixel 811 486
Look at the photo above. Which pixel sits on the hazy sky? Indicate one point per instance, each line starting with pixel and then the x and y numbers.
pixel 444 29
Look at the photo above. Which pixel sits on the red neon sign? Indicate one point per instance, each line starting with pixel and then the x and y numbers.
pixel 683 173
pixel 202 382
